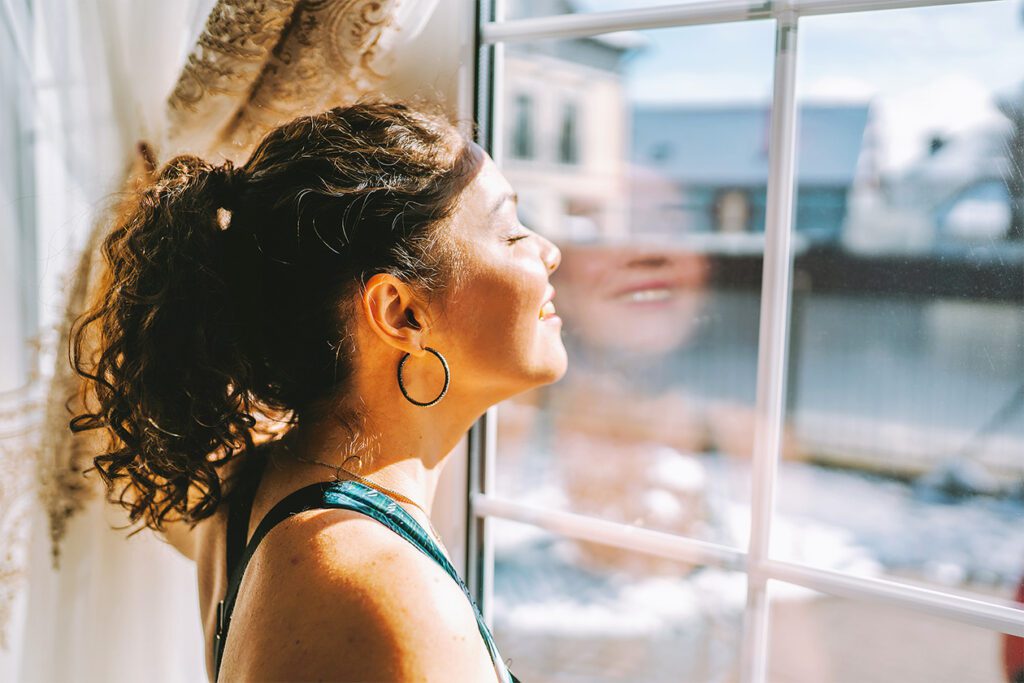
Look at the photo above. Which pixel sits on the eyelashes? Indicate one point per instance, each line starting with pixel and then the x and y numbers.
pixel 515 237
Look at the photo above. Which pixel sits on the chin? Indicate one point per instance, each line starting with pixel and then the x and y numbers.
pixel 549 372
pixel 556 368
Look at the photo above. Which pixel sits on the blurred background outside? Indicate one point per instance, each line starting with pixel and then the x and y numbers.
pixel 644 154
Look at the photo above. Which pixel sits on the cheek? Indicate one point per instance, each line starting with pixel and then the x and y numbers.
pixel 497 313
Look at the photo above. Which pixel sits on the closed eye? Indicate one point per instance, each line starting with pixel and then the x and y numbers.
pixel 515 238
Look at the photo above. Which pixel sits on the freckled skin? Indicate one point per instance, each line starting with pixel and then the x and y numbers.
pixel 333 594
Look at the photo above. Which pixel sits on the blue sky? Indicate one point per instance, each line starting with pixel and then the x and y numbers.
pixel 924 70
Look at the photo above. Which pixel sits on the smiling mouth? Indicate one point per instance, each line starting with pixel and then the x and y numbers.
pixel 646 295
pixel 546 311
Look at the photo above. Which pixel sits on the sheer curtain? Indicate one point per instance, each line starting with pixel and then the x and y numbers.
pixel 83 81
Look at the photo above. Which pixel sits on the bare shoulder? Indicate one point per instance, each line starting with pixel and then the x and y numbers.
pixel 335 595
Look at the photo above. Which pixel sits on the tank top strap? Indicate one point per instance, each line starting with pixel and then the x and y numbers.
pixel 349 495
pixel 354 495
pixel 307 498
pixel 240 510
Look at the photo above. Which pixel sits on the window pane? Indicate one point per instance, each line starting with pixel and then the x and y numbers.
pixel 906 377
pixel 815 638
pixel 560 617
pixel 660 222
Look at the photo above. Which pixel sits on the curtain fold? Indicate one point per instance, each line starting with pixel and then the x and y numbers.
pixel 256 66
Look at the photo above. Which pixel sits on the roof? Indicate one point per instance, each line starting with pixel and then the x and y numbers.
pixel 728 144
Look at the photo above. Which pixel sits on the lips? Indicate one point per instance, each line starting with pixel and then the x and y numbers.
pixel 649 293
pixel 548 309
pixel 647 285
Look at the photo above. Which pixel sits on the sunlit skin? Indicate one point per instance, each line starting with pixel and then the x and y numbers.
pixel 333 592
pixel 488 330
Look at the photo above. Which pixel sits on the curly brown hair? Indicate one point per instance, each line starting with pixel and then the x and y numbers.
pixel 208 323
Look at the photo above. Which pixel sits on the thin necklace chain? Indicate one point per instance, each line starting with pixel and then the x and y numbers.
pixel 338 469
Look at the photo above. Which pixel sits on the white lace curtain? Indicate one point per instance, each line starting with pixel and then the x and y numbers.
pixel 83 81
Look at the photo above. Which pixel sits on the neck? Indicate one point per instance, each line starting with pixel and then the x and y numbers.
pixel 400 446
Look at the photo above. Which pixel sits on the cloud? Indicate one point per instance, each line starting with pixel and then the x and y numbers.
pixel 837 89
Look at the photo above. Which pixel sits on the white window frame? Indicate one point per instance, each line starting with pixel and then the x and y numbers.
pixel 485 504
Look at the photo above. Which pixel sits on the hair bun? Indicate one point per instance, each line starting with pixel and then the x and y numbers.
pixel 226 184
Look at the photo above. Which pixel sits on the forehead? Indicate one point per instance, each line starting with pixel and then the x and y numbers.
pixel 487 188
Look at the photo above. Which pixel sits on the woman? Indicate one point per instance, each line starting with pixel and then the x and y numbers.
pixel 364 281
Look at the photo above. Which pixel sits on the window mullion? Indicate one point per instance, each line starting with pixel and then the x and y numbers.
pixel 990 613
pixel 483 435
pixel 590 23
pixel 614 534
pixel 772 342
pixel 579 25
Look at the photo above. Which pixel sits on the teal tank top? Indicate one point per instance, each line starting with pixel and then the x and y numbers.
pixel 347 495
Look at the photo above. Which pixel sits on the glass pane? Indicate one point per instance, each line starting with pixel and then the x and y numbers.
pixel 655 196
pixel 816 638
pixel 905 404
pixel 561 617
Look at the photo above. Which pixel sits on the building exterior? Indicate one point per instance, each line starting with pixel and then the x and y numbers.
pixel 968 187
pixel 566 129
pixel 717 157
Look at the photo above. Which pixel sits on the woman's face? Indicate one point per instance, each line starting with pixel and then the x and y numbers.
pixel 501 332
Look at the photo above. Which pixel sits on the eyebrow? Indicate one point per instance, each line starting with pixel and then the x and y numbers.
pixel 511 195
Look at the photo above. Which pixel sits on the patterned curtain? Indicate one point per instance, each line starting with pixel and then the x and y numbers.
pixel 260 64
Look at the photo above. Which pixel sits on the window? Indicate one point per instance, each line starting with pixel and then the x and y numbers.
pixel 522 133
pixel 790 444
pixel 732 211
pixel 568 142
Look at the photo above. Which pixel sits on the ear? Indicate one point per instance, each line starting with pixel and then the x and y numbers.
pixel 394 313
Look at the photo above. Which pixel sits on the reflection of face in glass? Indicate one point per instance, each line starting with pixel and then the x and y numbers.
pixel 631 297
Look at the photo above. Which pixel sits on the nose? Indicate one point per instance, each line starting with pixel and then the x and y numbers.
pixel 553 256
